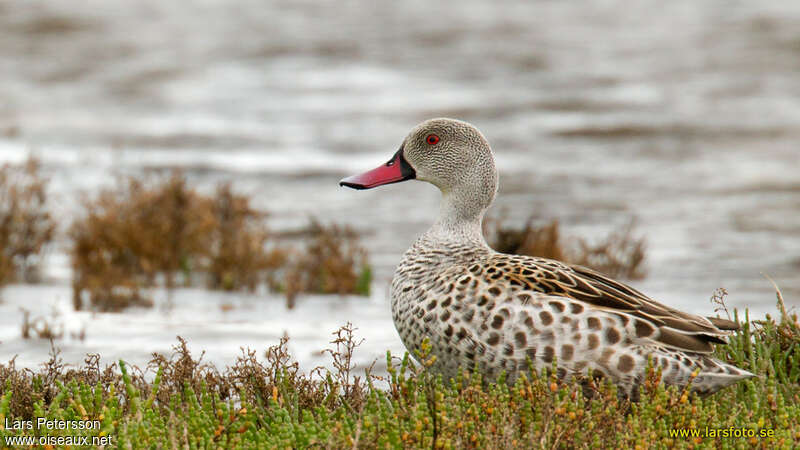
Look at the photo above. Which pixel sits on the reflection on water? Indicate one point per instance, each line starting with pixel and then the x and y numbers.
pixel 686 119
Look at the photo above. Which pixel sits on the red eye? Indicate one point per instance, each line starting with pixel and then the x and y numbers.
pixel 432 139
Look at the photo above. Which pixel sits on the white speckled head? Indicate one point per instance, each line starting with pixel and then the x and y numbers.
pixel 453 156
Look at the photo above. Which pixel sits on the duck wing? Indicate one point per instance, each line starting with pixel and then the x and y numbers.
pixel 667 326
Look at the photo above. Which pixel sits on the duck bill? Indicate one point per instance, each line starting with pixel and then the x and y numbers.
pixel 394 171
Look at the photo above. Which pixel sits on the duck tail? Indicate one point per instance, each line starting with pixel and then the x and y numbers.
pixel 715 375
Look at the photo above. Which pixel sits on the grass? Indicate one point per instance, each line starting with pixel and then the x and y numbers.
pixel 621 254
pixel 269 402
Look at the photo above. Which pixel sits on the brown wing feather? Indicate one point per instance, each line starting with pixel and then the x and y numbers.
pixel 677 329
pixel 723 324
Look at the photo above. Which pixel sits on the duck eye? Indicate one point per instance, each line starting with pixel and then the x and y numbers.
pixel 432 139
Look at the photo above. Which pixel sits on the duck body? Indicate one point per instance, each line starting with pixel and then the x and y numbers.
pixel 494 312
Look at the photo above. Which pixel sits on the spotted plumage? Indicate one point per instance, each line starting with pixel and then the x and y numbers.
pixel 497 312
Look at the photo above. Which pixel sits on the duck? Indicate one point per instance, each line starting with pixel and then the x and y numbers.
pixel 483 310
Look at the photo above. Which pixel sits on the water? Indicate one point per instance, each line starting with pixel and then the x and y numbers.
pixel 683 115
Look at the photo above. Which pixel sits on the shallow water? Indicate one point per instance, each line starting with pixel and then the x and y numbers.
pixel 686 119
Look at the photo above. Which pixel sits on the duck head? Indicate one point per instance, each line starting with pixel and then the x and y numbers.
pixel 450 154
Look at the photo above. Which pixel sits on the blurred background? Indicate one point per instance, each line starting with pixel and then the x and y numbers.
pixel 683 117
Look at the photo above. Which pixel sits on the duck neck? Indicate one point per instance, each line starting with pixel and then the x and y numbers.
pixel 459 220
pixel 465 199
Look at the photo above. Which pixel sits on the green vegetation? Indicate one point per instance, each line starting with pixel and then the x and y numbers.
pixel 270 403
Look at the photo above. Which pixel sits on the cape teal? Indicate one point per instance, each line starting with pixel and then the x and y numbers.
pixel 495 312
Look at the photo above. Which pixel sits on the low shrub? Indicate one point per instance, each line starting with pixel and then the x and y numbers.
pixel 331 262
pixel 26 226
pixel 543 241
pixel 620 255
pixel 132 234
pixel 149 233
pixel 240 252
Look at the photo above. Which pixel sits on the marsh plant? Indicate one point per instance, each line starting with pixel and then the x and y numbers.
pixel 131 235
pixel 331 262
pixel 621 254
pixel 26 226
pixel 148 233
pixel 240 252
